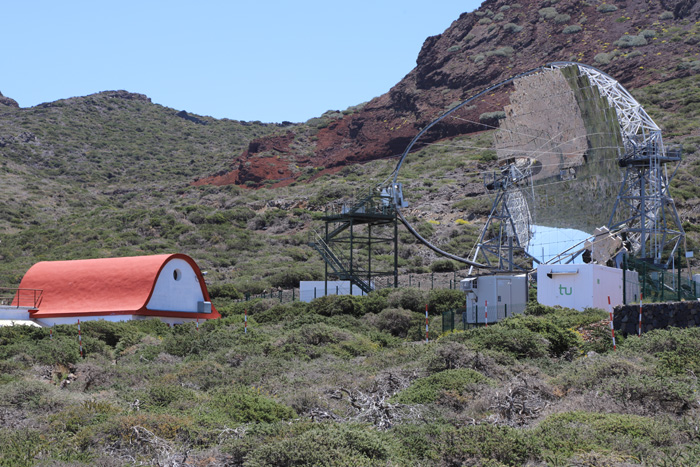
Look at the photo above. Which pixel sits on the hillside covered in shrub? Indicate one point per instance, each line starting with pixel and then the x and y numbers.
pixel 349 381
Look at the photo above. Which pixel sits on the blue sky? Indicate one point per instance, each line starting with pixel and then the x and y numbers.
pixel 245 60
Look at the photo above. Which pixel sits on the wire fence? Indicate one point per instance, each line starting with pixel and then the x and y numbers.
pixel 421 281
pixel 656 284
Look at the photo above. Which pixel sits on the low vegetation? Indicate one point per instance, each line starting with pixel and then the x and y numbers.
pixel 349 381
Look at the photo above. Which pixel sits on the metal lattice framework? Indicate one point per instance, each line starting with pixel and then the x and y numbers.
pixel 644 206
pixel 510 216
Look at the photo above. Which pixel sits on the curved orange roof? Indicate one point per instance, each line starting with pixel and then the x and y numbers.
pixel 106 286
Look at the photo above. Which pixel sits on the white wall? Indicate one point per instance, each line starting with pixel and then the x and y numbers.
pixel 179 292
pixel 578 286
pixel 13 312
pixel 307 292
pixel 114 318
pixel 74 319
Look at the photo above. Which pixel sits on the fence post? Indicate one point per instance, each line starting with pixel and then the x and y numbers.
pixel 679 275
pixel 612 326
pixel 80 340
pixel 432 280
pixel 639 333
pixel 426 322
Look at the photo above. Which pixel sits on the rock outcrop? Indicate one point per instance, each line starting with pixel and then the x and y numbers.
pixel 637 42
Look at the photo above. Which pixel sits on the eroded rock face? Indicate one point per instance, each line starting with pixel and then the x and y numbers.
pixel 500 39
pixel 8 102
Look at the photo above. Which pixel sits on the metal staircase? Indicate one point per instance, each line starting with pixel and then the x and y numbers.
pixel 338 265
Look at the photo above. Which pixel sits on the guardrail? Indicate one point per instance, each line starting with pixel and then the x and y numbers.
pixel 16 297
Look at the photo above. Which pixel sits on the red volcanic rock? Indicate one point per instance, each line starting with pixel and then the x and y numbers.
pixel 500 39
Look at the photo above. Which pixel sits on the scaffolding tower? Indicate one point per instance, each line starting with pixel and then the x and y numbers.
pixel 349 236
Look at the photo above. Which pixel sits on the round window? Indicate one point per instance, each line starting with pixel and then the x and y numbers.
pixel 177 275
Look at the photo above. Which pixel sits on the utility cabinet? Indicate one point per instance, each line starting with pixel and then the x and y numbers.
pixel 495 297
pixel 581 286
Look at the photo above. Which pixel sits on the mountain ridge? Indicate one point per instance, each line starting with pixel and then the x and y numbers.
pixel 498 40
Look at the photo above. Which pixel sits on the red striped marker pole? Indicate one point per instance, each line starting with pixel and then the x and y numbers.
pixel 80 340
pixel 639 332
pixel 486 313
pixel 245 321
pixel 197 324
pixel 51 332
pixel 426 323
pixel 612 327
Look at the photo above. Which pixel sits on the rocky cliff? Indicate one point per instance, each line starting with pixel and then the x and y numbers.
pixel 637 42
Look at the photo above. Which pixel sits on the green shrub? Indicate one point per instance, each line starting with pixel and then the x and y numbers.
pixel 241 404
pixel 606 8
pixel 512 28
pixel 291 276
pixel 603 58
pixel 224 291
pixel 395 321
pixel 562 18
pixel 443 265
pixel 572 29
pixel 22 448
pixel 280 313
pixel 678 350
pixel 324 444
pixel 30 395
pixel 505 51
pixel 487 117
pixel 332 305
pixel 186 340
pixel 666 15
pixel 519 343
pixel 570 432
pixel 440 300
pixel 548 12
pixel 408 299
pixel 428 389
pixel 630 41
pixel 162 395
pixel 494 446
pixel 561 339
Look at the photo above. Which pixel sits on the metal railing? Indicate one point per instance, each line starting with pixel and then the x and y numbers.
pixel 16 297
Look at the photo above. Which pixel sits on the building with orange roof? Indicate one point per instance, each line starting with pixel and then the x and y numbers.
pixel 169 287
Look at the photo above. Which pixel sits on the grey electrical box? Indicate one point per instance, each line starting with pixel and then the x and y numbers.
pixel 495 297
